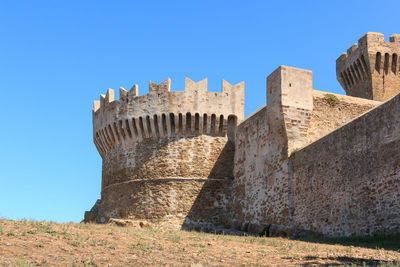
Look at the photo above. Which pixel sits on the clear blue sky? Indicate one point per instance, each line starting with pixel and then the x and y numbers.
pixel 56 57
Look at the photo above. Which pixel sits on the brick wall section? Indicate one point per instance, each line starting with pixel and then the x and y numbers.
pixel 348 182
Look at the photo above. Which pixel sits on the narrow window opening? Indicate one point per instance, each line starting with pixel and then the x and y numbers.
pixel 155 117
pixel 386 63
pixel 134 126
pixel 361 69
pixel 378 60
pixel 148 124
pixel 172 123
pixel 394 63
pixel 221 125
pixel 354 74
pixel 128 128
pixel 104 139
pixel 180 123
pixel 205 123
pixel 116 131
pixel 196 123
pixel 212 128
pixel 350 76
pixel 188 123
pixel 164 124
pixel 364 64
pixel 111 134
pixel 141 126
pixel 107 137
pixel 195 92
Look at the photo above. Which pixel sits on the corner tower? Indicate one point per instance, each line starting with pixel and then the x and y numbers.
pixel 371 69
pixel 167 156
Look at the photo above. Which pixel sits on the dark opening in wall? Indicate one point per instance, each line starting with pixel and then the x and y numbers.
pixel 354 73
pixel 348 71
pixel 148 124
pixel 128 128
pixel 394 63
pixel 172 123
pixel 212 128
pixel 134 127
pixel 221 126
pixel 141 126
pixel 164 124
pixel 386 63
pixel 364 64
pixel 180 123
pixel 188 123
pixel 344 80
pixel 360 69
pixel 358 73
pixel 107 138
pixel 205 124
pixel 113 139
pixel 378 60
pixel 196 123
pixel 156 127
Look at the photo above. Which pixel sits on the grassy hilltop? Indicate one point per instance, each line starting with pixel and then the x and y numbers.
pixel 32 243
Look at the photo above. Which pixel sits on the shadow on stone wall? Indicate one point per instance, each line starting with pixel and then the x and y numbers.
pixel 212 207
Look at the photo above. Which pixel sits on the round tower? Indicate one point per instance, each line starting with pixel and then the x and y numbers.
pixel 371 69
pixel 167 156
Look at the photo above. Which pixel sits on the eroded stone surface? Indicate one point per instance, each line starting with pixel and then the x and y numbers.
pixel 307 163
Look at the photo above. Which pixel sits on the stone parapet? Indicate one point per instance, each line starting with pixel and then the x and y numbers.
pixel 164 113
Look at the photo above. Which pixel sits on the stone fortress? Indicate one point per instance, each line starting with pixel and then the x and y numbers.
pixel 306 162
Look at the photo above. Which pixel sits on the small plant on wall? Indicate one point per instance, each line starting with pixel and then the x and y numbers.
pixel 331 99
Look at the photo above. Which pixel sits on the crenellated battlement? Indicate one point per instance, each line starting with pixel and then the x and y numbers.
pixel 370 69
pixel 164 113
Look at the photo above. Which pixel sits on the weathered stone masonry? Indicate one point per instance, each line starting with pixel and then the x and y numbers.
pixel 307 160
pixel 167 156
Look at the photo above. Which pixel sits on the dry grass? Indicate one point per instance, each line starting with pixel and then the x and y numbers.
pixel 31 243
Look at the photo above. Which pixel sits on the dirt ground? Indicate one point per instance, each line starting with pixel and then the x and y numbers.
pixel 32 243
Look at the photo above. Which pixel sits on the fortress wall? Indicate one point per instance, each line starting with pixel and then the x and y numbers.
pixel 326 117
pixel 167 156
pixel 371 69
pixel 262 143
pixel 347 183
pixel 295 116
pixel 180 181
pixel 162 113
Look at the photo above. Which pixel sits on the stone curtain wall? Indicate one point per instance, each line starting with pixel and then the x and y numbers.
pixel 262 188
pixel 261 195
pixel 259 198
pixel 326 118
pixel 348 182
